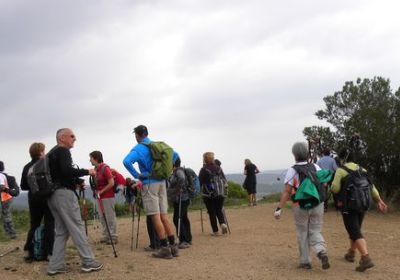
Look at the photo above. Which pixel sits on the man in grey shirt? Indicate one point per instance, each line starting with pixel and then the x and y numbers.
pixel 327 162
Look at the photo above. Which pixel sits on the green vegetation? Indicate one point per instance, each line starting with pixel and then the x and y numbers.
pixel 370 108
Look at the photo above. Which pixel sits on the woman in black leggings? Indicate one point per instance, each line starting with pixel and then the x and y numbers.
pixel 213 184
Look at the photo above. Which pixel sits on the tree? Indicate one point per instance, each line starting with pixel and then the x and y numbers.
pixel 370 108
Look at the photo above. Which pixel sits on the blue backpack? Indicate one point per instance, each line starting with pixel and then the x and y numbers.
pixel 38 243
pixel 193 182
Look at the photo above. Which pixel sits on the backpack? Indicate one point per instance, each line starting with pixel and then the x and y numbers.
pixel 193 183
pixel 39 179
pixel 162 156
pixel 218 185
pixel 38 243
pixel 311 191
pixel 13 188
pixel 356 191
pixel 118 178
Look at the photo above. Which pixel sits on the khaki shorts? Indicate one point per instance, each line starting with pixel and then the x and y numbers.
pixel 154 196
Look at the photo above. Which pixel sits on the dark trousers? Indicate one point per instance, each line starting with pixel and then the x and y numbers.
pixel 353 221
pixel 214 208
pixel 154 240
pixel 185 232
pixel 39 210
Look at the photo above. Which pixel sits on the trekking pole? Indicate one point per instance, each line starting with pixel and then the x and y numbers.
pixel 226 220
pixel 133 224
pixel 84 210
pixel 93 188
pixel 137 228
pixel 201 215
pixel 9 252
pixel 179 213
pixel 105 221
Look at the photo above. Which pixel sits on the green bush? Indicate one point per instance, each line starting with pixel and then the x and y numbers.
pixel 236 191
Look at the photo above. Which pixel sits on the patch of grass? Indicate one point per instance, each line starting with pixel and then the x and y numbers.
pixel 21 223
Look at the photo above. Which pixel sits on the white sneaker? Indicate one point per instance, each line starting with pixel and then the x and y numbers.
pixel 224 229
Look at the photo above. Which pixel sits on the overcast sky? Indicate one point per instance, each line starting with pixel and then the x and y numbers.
pixel 239 78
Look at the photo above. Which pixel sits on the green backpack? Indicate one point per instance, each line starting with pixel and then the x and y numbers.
pixel 162 155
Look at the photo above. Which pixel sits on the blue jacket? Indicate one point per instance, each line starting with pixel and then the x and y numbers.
pixel 141 154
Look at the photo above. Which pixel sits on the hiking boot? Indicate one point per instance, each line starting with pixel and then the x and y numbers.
pixel 183 245
pixel 174 250
pixel 324 260
pixel 350 256
pixel 224 229
pixel 305 266
pixel 163 253
pixel 365 263
pixel 53 272
pixel 94 266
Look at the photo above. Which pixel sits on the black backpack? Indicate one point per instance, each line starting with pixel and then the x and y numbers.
pixel 13 188
pixel 356 190
pixel 39 179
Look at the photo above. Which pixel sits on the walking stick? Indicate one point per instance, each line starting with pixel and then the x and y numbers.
pixel 133 224
pixel 138 221
pixel 226 220
pixel 9 252
pixel 179 213
pixel 84 210
pixel 201 216
pixel 93 188
pixel 105 221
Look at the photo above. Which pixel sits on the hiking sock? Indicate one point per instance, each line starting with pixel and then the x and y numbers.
pixel 171 239
pixel 164 242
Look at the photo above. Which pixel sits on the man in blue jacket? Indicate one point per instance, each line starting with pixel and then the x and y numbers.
pixel 154 193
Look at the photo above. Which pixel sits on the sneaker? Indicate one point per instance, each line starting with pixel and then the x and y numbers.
pixel 104 240
pixel 174 250
pixel 365 263
pixel 224 229
pixel 214 233
pixel 94 266
pixel 350 256
pixel 305 266
pixel 163 253
pixel 53 272
pixel 324 260
pixel 149 249
pixel 183 245
pixel 115 241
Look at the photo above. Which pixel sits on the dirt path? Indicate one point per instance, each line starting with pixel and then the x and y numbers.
pixel 258 248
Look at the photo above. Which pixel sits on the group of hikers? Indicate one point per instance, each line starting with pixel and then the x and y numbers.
pixel 159 182
pixel 353 192
pixel 59 207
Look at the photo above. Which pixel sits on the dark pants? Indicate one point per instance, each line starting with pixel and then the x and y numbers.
pixel 154 240
pixel 185 232
pixel 214 208
pixel 353 221
pixel 39 210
